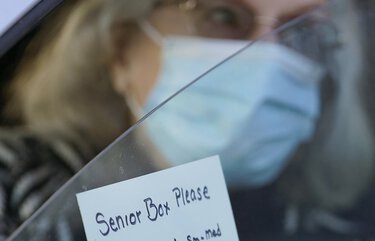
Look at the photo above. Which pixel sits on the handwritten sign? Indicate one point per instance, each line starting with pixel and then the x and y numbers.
pixel 189 202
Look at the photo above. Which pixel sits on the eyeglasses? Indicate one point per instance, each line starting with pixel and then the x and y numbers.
pixel 217 18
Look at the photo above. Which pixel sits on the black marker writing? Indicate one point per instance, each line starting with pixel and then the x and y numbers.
pixel 116 223
pixel 186 196
pixel 156 210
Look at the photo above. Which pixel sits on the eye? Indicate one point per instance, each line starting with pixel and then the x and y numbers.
pixel 222 15
pixel 219 19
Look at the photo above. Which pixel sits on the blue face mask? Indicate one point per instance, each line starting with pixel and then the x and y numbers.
pixel 253 111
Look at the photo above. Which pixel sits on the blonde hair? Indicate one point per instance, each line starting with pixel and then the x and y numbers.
pixel 67 87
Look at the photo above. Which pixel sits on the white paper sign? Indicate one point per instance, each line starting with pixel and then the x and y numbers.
pixel 185 203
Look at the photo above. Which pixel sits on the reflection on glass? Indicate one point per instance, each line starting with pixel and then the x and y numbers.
pixel 285 113
pixel 254 111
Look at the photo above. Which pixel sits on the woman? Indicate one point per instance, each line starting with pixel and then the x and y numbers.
pixel 90 76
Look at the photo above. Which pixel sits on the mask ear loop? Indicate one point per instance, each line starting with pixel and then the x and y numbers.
pixel 156 36
pixel 150 31
pixel 134 107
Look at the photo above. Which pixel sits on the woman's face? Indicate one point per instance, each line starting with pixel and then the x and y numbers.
pixel 136 74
